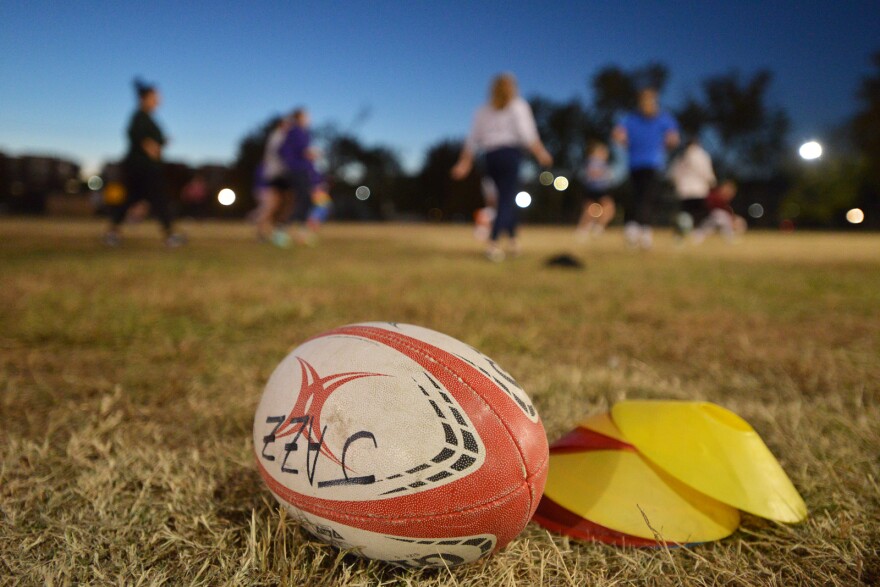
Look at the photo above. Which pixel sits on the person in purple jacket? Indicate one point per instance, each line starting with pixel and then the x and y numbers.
pixel 299 157
pixel 649 132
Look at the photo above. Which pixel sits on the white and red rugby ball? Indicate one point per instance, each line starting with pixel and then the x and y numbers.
pixel 401 443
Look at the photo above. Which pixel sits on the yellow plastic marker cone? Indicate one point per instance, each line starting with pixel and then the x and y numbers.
pixel 714 451
pixel 619 489
pixel 604 425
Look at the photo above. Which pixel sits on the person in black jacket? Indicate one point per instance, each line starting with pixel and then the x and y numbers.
pixel 143 169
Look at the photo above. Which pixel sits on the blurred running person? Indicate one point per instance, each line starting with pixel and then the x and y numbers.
pixel 484 217
pixel 692 175
pixel 299 158
pixel 720 216
pixel 322 207
pixel 276 186
pixel 143 169
pixel 501 129
pixel 603 171
pixel 649 132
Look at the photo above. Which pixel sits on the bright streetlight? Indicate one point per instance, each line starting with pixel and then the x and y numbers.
pixel 226 197
pixel 523 199
pixel 810 150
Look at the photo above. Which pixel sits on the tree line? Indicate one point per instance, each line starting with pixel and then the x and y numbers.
pixel 731 112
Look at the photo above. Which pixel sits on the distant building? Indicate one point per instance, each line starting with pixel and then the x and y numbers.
pixel 40 184
pixel 27 182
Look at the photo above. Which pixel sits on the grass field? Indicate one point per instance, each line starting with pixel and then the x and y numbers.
pixel 129 379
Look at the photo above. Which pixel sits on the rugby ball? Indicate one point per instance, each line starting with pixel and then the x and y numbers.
pixel 402 444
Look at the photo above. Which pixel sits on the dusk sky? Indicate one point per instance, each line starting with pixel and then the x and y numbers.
pixel 419 68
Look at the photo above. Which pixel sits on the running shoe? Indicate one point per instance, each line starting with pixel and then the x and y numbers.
pixel 175 240
pixel 111 239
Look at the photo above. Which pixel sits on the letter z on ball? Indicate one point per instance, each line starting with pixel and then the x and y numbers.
pixel 402 444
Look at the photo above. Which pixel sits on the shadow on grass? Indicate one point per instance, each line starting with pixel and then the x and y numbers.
pixel 238 495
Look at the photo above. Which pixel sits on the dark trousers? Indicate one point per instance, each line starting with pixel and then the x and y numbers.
pixel 502 165
pixel 645 192
pixel 144 183
pixel 301 185
pixel 696 207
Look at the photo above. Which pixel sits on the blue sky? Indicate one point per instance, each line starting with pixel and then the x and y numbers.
pixel 421 68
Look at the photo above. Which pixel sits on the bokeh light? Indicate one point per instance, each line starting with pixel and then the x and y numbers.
pixel 855 216
pixel 95 183
pixel 362 193
pixel 561 183
pixel 114 193
pixel 523 199
pixel 756 210
pixel 810 150
pixel 226 197
pixel 595 210
pixel 546 178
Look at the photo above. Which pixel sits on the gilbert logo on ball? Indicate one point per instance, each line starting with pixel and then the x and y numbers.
pixel 402 444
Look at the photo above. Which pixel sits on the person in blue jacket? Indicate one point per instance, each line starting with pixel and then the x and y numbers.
pixel 649 132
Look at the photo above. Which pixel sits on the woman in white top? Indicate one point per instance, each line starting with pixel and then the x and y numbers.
pixel 501 129
pixel 692 175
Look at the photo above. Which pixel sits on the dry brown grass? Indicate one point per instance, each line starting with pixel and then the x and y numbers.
pixel 128 381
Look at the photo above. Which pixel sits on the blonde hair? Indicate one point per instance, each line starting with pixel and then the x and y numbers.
pixel 503 90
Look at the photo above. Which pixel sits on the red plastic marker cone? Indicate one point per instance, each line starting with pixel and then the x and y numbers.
pixel 556 518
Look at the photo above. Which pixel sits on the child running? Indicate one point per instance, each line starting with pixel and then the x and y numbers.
pixel 604 170
pixel 720 215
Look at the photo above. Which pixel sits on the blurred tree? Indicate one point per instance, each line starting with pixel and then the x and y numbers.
pixel 752 133
pixel 350 164
pixel 564 128
pixel 455 199
pixel 866 123
pixel 243 174
pixel 382 170
pixel 692 117
pixel 823 191
pixel 848 174
pixel 616 90
pixel 5 182
pixel 865 133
